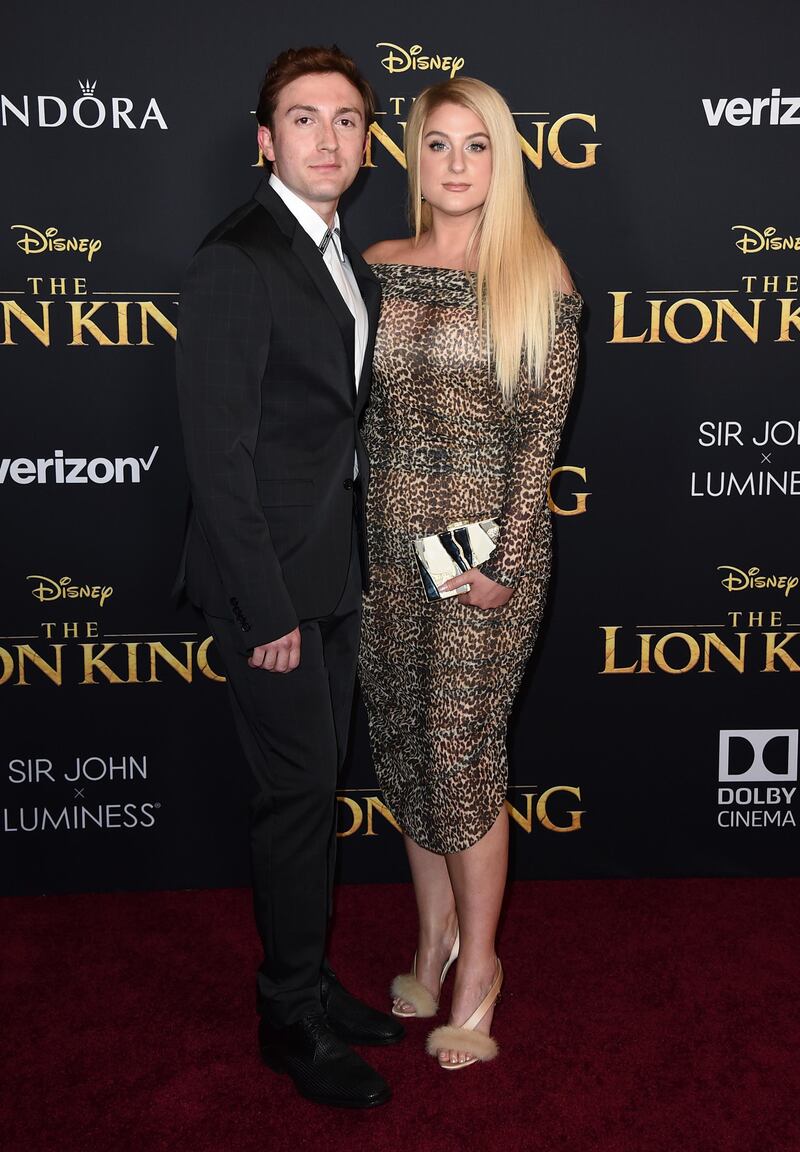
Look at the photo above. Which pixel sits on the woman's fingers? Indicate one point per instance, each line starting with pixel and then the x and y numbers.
pixel 459 581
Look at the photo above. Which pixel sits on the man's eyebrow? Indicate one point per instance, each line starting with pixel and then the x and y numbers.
pixel 314 108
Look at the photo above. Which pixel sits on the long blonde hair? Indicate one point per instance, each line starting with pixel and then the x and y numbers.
pixel 518 268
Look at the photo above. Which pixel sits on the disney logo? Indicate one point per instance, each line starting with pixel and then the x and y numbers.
pixel 738 580
pixel 403 59
pixel 64 589
pixel 766 241
pixel 34 242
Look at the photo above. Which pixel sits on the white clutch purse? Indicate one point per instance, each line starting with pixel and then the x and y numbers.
pixel 457 549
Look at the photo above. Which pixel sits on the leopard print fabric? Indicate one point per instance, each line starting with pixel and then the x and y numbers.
pixel 439 678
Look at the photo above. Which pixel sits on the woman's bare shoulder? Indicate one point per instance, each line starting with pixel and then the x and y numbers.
pixel 388 251
pixel 565 284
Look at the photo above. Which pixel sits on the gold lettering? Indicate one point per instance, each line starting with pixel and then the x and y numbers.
pixel 645 639
pixel 525 822
pixel 589 150
pixel 541 810
pixel 94 661
pixel 618 331
pixel 774 649
pixel 148 308
pixel 655 322
pixel 52 672
pixel 40 331
pixel 376 805
pixel 202 661
pixel 580 497
pixel 82 321
pixel 356 813
pixel 712 640
pixel 788 316
pixel 184 670
pixel 661 659
pixel 7 661
pixel 383 138
pixel 610 666
pixel 726 308
pixel 704 313
pixel 534 153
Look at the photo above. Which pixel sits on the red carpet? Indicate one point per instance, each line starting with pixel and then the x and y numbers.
pixel 638 1016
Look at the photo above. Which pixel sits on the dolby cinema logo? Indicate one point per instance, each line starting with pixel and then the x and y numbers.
pixel 91 109
pixel 757 777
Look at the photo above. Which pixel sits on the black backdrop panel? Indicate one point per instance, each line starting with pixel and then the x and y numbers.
pixel 656 733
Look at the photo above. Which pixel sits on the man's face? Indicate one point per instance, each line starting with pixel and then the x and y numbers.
pixel 317 138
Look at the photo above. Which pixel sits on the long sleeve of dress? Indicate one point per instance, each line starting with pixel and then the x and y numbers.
pixel 539 417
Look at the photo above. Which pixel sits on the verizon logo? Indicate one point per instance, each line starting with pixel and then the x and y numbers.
pixel 61 469
pixel 738 110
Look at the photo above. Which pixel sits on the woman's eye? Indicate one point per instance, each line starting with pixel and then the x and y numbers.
pixel 437 145
pixel 477 146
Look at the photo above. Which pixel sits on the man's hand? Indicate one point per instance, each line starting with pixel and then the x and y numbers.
pixel 281 655
pixel 483 592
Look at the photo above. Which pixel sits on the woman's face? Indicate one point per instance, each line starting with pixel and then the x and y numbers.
pixel 455 166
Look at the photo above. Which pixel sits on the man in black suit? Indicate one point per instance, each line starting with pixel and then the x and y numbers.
pixel 277 323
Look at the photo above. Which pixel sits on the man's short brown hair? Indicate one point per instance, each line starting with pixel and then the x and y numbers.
pixel 296 62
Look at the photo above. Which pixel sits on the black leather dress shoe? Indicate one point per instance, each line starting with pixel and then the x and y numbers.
pixel 354 1021
pixel 321 1065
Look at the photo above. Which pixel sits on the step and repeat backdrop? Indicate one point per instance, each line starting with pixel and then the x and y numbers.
pixel 657 730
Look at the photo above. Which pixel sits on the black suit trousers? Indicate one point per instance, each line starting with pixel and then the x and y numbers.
pixel 293 728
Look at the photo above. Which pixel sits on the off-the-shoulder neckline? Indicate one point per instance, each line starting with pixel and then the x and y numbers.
pixel 443 268
pixel 428 267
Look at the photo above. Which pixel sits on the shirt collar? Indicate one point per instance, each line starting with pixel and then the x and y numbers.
pixel 305 216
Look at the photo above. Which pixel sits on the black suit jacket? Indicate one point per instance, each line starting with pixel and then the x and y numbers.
pixel 270 412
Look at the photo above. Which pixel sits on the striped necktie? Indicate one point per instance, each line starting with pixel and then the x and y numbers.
pixel 326 239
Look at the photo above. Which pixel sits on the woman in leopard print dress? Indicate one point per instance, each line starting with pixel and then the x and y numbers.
pixel 456 433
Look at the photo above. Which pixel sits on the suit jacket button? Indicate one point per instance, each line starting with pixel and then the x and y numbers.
pixel 348 484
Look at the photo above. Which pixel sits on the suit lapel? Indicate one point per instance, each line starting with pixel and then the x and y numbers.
pixel 370 289
pixel 310 257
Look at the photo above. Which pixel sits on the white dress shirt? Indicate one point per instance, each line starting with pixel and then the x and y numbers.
pixel 335 261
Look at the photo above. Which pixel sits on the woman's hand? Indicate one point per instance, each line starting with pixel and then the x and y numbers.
pixel 483 592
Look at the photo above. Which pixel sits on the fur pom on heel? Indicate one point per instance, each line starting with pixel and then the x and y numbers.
pixel 407 987
pixel 477 1046
pixel 449 1039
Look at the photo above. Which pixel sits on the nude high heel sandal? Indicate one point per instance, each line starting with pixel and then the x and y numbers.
pixel 407 987
pixel 465 1039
